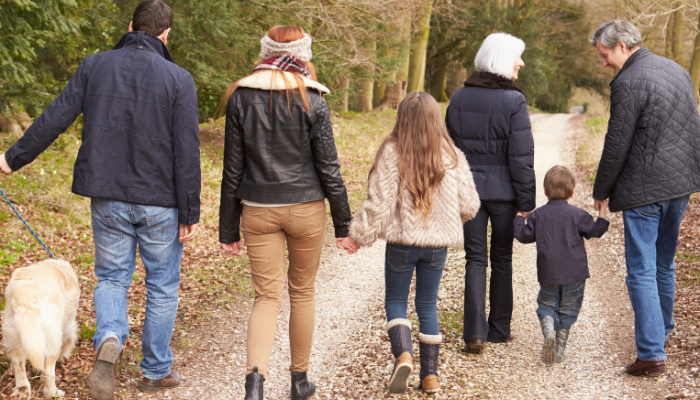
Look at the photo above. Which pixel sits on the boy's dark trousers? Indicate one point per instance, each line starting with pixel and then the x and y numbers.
pixel 561 302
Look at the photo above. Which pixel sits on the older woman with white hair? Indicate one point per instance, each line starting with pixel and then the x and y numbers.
pixel 489 122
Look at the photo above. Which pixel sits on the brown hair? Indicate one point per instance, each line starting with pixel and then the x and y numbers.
pixel 152 16
pixel 421 140
pixel 559 183
pixel 286 34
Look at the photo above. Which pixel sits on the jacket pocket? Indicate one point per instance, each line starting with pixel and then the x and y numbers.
pixel 164 226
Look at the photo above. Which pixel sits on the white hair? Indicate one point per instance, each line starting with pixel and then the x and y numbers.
pixel 498 54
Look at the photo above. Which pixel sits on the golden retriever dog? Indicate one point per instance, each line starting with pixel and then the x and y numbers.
pixel 41 302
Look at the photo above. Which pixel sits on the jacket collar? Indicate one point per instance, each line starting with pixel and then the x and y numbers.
pixel 491 81
pixel 557 202
pixel 637 55
pixel 264 80
pixel 142 40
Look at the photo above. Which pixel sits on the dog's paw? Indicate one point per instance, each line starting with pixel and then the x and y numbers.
pixel 23 392
pixel 52 394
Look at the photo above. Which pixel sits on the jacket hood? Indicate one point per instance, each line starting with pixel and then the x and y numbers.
pixel 491 81
pixel 637 55
pixel 264 80
pixel 141 40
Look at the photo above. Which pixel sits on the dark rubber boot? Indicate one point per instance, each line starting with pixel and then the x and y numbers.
pixel 429 358
pixel 254 385
pixel 302 389
pixel 399 331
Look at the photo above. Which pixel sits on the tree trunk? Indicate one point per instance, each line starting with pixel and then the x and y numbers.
pixel 678 27
pixel 439 81
pixel 345 87
pixel 668 37
pixel 15 122
pixel 379 93
pixel 395 92
pixel 366 97
pixel 416 74
pixel 695 65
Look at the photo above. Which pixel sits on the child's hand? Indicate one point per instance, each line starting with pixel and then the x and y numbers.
pixel 603 211
pixel 349 245
pixel 524 214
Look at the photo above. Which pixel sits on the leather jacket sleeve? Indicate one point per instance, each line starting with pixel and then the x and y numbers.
pixel 328 168
pixel 234 164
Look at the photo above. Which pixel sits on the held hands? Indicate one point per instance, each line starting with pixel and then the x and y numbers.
pixel 4 167
pixel 347 244
pixel 524 214
pixel 187 232
pixel 233 249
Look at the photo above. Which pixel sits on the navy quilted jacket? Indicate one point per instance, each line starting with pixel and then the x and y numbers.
pixel 652 147
pixel 492 127
pixel 140 134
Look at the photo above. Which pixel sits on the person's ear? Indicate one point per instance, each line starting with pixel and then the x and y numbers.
pixel 131 26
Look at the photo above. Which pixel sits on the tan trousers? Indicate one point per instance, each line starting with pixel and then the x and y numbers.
pixel 265 231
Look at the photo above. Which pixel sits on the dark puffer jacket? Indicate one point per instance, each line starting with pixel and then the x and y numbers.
pixel 140 133
pixel 279 153
pixel 489 122
pixel 652 148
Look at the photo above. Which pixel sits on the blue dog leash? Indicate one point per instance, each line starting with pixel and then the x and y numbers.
pixel 26 224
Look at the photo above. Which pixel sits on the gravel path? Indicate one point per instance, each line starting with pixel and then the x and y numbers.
pixel 351 357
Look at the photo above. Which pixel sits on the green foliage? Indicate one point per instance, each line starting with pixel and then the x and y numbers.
pixel 87 330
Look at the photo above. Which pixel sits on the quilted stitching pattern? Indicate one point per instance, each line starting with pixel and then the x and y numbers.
pixel 495 122
pixel 652 147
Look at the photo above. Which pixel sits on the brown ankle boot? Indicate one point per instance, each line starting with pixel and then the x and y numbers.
pixel 400 337
pixel 429 357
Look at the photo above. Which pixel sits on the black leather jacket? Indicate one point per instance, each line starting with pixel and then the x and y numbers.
pixel 275 153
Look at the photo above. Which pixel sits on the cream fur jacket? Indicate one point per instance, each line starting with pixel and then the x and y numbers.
pixel 454 203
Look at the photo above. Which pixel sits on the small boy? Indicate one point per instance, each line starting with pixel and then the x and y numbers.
pixel 562 266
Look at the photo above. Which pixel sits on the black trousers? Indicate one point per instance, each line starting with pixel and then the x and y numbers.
pixel 497 327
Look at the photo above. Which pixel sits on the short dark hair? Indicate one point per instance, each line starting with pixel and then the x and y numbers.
pixel 152 16
pixel 559 182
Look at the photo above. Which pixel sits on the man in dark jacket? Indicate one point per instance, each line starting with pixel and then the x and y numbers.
pixel 649 167
pixel 139 163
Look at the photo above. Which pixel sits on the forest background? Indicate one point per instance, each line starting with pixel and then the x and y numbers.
pixel 369 52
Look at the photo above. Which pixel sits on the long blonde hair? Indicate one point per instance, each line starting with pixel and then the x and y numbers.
pixel 286 34
pixel 421 140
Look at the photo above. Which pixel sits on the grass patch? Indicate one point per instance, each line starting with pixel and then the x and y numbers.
pixel 689 258
pixel 452 320
pixel 87 330
pixel 591 145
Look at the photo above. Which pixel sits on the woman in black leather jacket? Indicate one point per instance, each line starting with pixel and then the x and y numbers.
pixel 280 163
pixel 488 120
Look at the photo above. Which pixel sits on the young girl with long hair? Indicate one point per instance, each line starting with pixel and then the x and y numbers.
pixel 420 193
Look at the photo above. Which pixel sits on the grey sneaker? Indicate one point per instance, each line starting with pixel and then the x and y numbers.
pixel 560 352
pixel 548 350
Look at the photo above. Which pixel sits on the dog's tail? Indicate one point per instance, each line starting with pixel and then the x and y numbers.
pixel 31 333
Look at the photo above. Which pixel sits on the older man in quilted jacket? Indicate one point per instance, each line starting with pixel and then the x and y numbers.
pixel 649 167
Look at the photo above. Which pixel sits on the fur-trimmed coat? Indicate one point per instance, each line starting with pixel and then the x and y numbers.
pixel 456 202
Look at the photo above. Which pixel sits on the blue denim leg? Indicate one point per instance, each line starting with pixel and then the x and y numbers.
pixel 548 302
pixel 651 271
pixel 117 229
pixel 570 304
pixel 399 262
pixel 666 246
pixel 428 275
pixel 161 252
pixel 115 258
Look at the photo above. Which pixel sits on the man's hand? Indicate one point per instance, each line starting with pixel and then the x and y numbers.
pixel 598 204
pixel 4 167
pixel 233 249
pixel 187 232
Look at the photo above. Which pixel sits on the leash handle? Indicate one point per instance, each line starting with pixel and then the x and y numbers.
pixel 26 224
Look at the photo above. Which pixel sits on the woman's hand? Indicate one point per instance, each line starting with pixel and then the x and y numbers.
pixel 348 244
pixel 233 249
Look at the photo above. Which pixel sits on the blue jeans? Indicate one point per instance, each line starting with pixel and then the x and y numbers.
pixel 400 260
pixel 117 229
pixel 561 302
pixel 651 238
